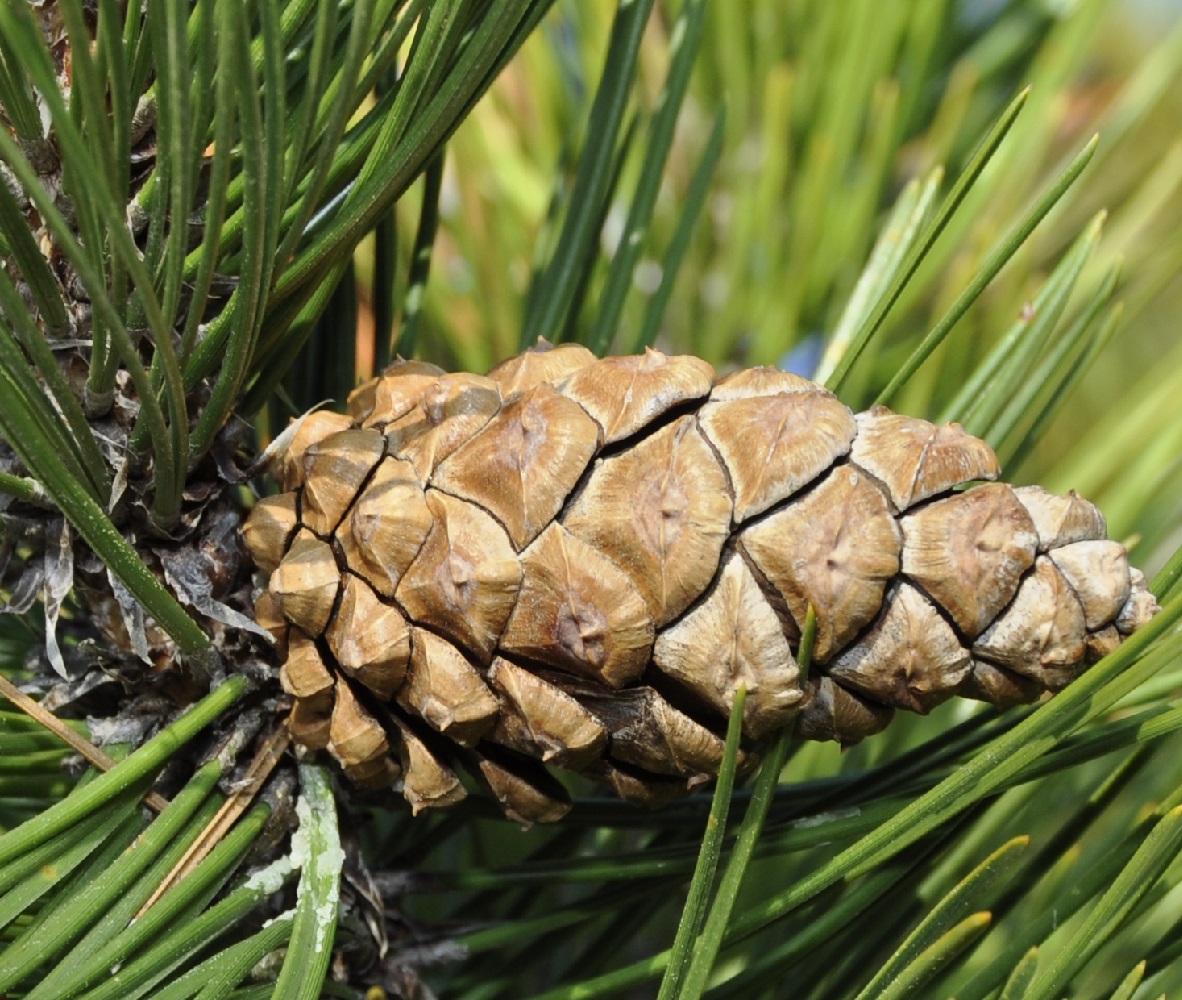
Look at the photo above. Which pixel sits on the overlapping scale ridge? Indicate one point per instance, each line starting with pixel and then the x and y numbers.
pixel 575 563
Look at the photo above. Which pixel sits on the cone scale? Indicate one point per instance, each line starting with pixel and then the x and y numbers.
pixel 575 563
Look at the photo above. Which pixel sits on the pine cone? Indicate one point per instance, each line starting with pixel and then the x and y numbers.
pixel 576 562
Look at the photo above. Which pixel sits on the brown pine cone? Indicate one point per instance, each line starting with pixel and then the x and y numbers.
pixel 576 562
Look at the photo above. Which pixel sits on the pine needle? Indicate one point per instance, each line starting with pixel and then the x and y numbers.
pixel 260 769
pixel 79 744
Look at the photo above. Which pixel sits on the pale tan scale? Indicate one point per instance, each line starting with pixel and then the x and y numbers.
pixel 313 428
pixel 373 775
pixel 540 719
pixel 969 552
pixel 998 686
pixel 579 612
pixel 427 782
pixel 445 416
pixel 750 383
pixel 733 637
pixel 523 464
pixel 465 579
pixel 1041 635
pixel 334 470
pixel 525 795
pixel 369 639
pixel 392 394
pixel 268 615
pixel 305 584
pixel 915 459
pixel 1100 643
pixel 1139 608
pixel 830 712
pixel 1098 572
pixel 835 548
pixel 649 733
pixel 909 658
pixel 1061 519
pixel 355 736
pixel 310 723
pixel 660 511
pixel 541 363
pixel 272 521
pixel 624 394
pixel 775 445
pixel 304 674
pixel 639 788
pixel 387 526
pixel 446 691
